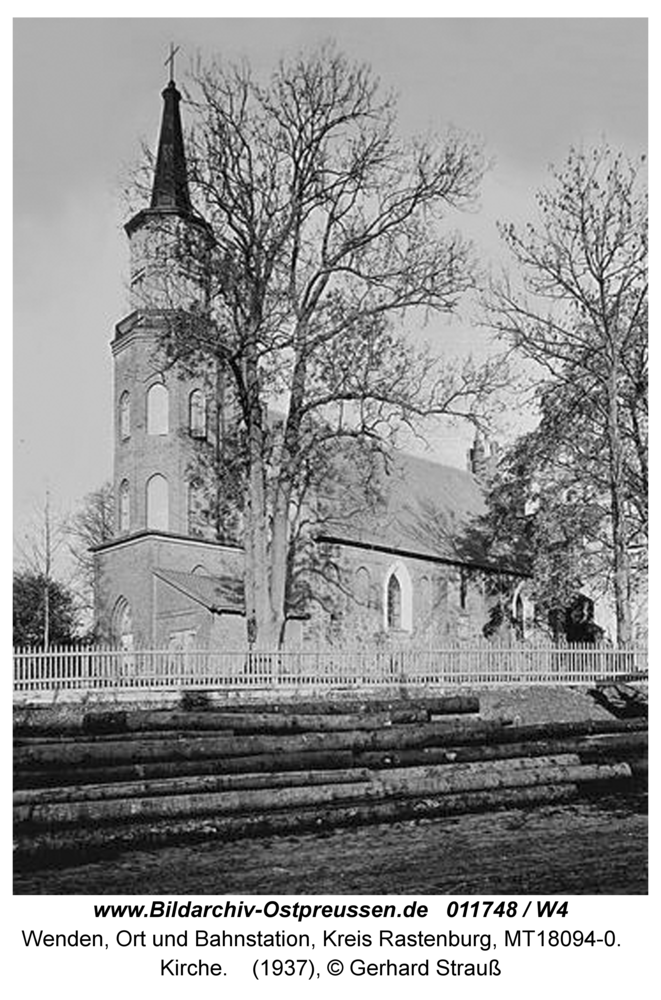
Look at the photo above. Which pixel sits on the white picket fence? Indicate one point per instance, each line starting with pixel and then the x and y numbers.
pixel 112 669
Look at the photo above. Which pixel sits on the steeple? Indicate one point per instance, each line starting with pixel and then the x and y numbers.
pixel 170 190
pixel 170 195
pixel 168 240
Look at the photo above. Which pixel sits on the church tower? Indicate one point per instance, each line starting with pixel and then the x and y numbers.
pixel 153 405
pixel 161 416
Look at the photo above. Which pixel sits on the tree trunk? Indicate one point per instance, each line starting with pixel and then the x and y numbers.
pixel 262 620
pixel 621 570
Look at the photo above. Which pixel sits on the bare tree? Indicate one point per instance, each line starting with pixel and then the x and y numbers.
pixel 327 235
pixel 37 550
pixel 91 525
pixel 581 314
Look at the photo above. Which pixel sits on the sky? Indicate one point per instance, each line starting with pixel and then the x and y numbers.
pixel 87 92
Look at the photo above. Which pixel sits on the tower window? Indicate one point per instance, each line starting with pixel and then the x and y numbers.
pixel 124 507
pixel 158 514
pixel 125 416
pixel 157 409
pixel 195 508
pixel 197 414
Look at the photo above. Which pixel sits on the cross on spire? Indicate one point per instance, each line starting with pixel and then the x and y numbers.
pixel 170 59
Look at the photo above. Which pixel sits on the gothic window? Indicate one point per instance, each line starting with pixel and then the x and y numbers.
pixel 518 611
pixel 394 603
pixel 158 516
pixel 124 507
pixel 157 409
pixel 122 624
pixel 398 599
pixel 197 414
pixel 125 416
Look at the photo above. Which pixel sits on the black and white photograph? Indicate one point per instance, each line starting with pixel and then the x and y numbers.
pixel 330 457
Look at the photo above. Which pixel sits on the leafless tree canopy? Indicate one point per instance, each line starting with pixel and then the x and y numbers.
pixel 578 307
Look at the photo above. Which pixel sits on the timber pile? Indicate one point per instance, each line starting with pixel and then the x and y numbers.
pixel 153 777
pixel 624 701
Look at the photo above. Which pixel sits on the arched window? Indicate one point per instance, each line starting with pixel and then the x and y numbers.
pixel 158 516
pixel 125 416
pixel 197 414
pixel 124 507
pixel 157 409
pixel 122 624
pixel 394 603
pixel 519 611
pixel 398 599
pixel 195 508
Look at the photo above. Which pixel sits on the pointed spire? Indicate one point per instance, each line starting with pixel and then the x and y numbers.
pixel 170 190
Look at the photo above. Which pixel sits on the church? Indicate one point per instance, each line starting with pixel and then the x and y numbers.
pixel 167 580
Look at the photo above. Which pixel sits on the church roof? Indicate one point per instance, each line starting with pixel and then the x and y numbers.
pixel 422 509
pixel 217 593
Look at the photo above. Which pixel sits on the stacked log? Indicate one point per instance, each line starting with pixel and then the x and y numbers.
pixel 155 777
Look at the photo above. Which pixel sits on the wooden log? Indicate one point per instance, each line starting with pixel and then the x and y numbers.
pixel 624 741
pixel 600 746
pixel 168 769
pixel 388 784
pixel 143 751
pixel 309 715
pixel 193 784
pixel 216 783
pixel 605 747
pixel 553 730
pixel 399 710
pixel 55 720
pixel 175 734
pixel 466 731
pixel 68 845
pixel 156 724
pixel 264 722
pixel 327 705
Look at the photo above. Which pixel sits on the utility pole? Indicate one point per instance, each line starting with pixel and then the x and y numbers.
pixel 47 570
